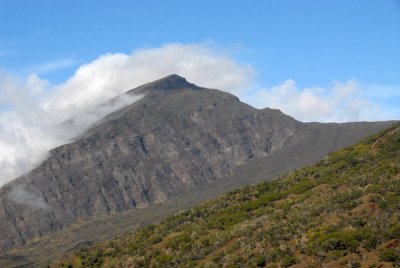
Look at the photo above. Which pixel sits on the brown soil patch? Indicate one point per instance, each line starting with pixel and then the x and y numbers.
pixel 381 140
pixel 221 249
pixel 372 257
pixel 211 232
pixel 305 261
pixel 322 188
pixel 286 200
pixel 366 207
pixel 330 219
pixel 393 243
pixel 162 243
pixel 377 263
pixel 343 261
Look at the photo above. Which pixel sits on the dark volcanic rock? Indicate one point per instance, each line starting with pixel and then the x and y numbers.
pixel 176 138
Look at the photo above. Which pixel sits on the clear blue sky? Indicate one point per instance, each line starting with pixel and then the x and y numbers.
pixel 312 42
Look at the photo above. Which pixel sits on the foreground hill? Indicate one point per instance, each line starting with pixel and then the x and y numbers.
pixel 178 145
pixel 343 211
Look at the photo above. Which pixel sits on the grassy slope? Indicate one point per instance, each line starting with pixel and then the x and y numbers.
pixel 343 211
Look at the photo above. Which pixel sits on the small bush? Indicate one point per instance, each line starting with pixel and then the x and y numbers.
pixel 339 240
pixel 390 255
pixel 394 231
pixel 288 260
pixel 260 260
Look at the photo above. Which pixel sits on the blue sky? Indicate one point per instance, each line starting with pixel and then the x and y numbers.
pixel 312 42
pixel 332 60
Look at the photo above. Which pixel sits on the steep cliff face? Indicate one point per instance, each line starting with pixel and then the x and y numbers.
pixel 177 137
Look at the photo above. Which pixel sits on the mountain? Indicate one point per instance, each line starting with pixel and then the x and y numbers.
pixel 341 212
pixel 176 146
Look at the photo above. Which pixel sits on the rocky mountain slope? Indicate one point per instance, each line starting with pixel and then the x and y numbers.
pixel 176 141
pixel 341 212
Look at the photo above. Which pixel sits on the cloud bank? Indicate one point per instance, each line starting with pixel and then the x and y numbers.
pixel 342 102
pixel 33 112
pixel 29 129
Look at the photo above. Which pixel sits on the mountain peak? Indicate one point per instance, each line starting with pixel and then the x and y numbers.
pixel 172 82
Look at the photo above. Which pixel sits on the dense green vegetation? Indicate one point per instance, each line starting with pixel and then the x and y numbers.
pixel 343 211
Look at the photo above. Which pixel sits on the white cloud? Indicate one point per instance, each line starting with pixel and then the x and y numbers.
pixel 36 85
pixel 342 102
pixel 51 66
pixel 113 74
pixel 25 197
pixel 28 130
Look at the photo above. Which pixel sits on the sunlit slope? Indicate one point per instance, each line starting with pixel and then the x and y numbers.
pixel 341 212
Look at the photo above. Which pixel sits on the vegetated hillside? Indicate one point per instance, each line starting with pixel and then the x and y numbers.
pixel 341 212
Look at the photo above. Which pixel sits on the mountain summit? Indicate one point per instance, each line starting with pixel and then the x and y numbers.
pixel 172 143
pixel 171 82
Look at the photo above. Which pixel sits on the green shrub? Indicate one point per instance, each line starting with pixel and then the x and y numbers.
pixel 339 240
pixel 347 200
pixel 390 255
pixel 371 242
pixel 260 260
pixel 336 254
pixel 394 231
pixel 302 186
pixel 164 259
pixel 288 260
